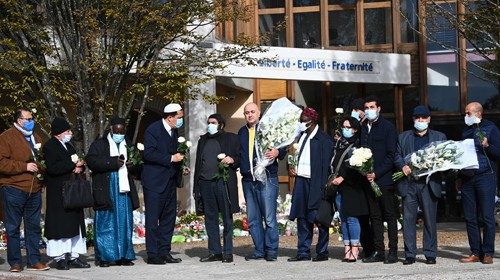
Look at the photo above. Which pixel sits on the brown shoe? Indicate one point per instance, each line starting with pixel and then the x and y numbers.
pixel 16 268
pixel 38 267
pixel 487 260
pixel 470 259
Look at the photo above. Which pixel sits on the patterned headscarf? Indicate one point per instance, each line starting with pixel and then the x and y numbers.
pixel 311 113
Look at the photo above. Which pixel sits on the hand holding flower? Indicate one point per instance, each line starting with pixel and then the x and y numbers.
pixel 485 143
pixel 32 167
pixel 177 157
pixel 406 170
pixel 272 153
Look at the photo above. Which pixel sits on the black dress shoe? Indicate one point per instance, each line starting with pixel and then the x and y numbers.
pixel 169 259
pixel 375 257
pixel 156 260
pixel 320 258
pixel 391 258
pixel 271 258
pixel 212 258
pixel 253 258
pixel 430 260
pixel 299 258
pixel 124 262
pixel 408 261
pixel 62 265
pixel 77 263
pixel 227 258
pixel 103 264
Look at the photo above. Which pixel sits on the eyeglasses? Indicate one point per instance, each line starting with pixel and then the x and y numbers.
pixel 27 119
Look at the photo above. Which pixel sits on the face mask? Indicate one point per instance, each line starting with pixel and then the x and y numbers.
pixel 212 128
pixel 179 123
pixel 29 125
pixel 66 138
pixel 355 114
pixel 118 138
pixel 371 114
pixel 470 120
pixel 347 132
pixel 303 126
pixel 421 126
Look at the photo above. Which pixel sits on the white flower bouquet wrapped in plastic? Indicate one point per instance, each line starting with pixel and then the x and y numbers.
pixel 440 156
pixel 277 128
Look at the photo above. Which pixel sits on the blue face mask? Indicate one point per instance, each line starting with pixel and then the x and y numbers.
pixel 371 114
pixel 29 125
pixel 355 114
pixel 179 123
pixel 347 132
pixel 421 126
pixel 212 128
pixel 118 138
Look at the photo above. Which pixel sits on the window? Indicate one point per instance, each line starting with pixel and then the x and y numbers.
pixel 307 30
pixel 409 21
pixel 267 25
pixel 341 28
pixel 303 3
pixel 479 88
pixel 269 4
pixel 378 26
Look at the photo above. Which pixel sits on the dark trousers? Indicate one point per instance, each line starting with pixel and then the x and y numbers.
pixel 478 198
pixel 161 211
pixel 19 206
pixel 420 194
pixel 216 200
pixel 384 208
pixel 305 236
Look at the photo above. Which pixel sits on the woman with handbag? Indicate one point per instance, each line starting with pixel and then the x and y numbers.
pixel 64 228
pixel 115 197
pixel 350 200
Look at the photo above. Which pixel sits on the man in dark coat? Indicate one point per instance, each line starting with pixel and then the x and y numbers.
pixel 311 176
pixel 381 137
pixel 115 196
pixel 214 194
pixel 480 185
pixel 64 228
pixel 416 192
pixel 160 179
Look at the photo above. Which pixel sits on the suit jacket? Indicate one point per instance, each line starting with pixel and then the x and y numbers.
pixel 406 141
pixel 230 145
pixel 158 170
pixel 59 222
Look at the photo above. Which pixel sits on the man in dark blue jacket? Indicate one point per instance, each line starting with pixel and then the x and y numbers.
pixel 380 136
pixel 260 198
pixel 311 176
pixel 416 192
pixel 479 186
pixel 160 179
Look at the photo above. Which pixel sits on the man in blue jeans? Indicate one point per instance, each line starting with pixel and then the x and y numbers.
pixel 21 190
pixel 479 185
pixel 260 198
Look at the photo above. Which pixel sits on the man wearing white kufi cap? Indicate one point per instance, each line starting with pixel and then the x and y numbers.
pixel 160 178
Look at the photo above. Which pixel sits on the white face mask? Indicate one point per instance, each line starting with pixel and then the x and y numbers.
pixel 470 120
pixel 66 138
pixel 303 126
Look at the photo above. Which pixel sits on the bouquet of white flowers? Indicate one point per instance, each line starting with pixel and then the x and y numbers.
pixel 362 161
pixel 277 128
pixel 183 148
pixel 440 156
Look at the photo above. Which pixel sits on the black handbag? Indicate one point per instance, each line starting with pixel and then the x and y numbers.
pixel 324 216
pixel 77 193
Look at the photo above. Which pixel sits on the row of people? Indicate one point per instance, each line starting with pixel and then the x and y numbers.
pixel 115 194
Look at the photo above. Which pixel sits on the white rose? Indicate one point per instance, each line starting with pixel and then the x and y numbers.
pixel 295 146
pixel 339 110
pixel 74 158
pixel 181 139
pixel 221 156
pixel 38 146
pixel 189 144
pixel 140 146
pixel 33 110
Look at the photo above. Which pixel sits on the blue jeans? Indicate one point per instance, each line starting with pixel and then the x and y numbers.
pixel 349 226
pixel 261 205
pixel 19 205
pixel 478 198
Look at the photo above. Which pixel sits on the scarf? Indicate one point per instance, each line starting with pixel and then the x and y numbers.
pixel 115 151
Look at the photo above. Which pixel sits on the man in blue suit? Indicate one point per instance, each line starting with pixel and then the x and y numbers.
pixel 311 176
pixel 160 179
pixel 416 192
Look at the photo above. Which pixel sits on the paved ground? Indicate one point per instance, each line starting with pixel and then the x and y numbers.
pixel 452 240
